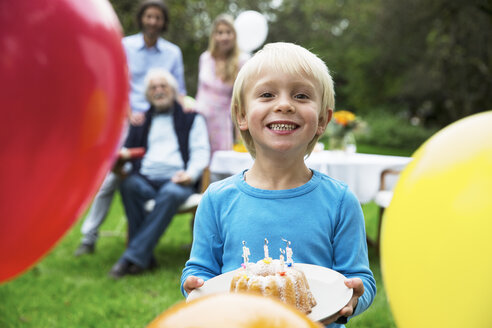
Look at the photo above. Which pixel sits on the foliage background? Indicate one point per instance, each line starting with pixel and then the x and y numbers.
pixel 428 62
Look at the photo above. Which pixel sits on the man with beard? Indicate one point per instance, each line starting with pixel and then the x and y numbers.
pixel 177 151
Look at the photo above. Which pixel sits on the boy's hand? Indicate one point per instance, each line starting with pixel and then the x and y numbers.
pixel 358 287
pixel 191 283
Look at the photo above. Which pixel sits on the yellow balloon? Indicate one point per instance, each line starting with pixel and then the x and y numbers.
pixel 436 250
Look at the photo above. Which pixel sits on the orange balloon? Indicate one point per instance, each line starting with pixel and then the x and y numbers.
pixel 231 310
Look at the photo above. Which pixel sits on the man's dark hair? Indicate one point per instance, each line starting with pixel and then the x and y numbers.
pixel 153 3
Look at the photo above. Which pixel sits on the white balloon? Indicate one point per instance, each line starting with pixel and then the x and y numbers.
pixel 252 29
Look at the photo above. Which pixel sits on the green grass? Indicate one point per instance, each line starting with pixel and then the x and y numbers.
pixel 64 291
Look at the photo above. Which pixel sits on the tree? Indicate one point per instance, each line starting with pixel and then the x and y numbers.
pixel 438 56
pixel 429 59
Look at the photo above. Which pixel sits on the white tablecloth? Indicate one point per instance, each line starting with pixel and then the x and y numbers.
pixel 361 172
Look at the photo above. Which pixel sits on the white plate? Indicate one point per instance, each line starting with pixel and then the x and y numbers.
pixel 327 286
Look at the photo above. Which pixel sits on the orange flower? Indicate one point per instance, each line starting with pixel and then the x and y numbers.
pixel 343 117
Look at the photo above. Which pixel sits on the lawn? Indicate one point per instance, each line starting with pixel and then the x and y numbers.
pixel 64 291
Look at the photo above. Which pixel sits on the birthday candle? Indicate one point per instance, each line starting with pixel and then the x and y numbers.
pixel 265 248
pixel 246 253
pixel 288 252
pixel 282 263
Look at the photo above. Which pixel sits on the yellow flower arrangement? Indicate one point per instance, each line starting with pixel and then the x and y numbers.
pixel 239 147
pixel 344 117
pixel 340 131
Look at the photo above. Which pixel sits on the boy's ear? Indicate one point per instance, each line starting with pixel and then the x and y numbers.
pixel 242 122
pixel 324 122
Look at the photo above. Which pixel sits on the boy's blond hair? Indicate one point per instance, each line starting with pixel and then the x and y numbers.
pixel 290 58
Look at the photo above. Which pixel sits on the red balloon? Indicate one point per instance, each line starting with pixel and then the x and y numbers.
pixel 64 90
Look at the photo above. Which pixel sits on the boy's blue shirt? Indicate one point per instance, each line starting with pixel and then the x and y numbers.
pixel 322 219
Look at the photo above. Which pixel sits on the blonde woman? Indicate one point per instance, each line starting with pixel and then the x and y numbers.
pixel 218 68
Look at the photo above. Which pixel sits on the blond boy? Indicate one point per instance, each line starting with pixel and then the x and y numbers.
pixel 283 98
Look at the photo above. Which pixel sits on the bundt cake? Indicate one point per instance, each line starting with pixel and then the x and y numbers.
pixel 277 279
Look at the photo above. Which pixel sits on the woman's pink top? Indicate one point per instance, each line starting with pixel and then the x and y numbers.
pixel 213 101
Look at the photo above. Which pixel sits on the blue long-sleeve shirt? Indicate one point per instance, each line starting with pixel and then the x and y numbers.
pixel 322 219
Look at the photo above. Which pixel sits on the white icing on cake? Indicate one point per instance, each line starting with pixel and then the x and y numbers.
pixel 270 277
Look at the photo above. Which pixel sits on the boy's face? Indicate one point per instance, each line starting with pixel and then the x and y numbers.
pixel 282 111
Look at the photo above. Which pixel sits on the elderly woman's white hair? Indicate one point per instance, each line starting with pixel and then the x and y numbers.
pixel 157 73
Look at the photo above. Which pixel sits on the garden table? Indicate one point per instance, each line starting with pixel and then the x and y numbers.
pixel 360 171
